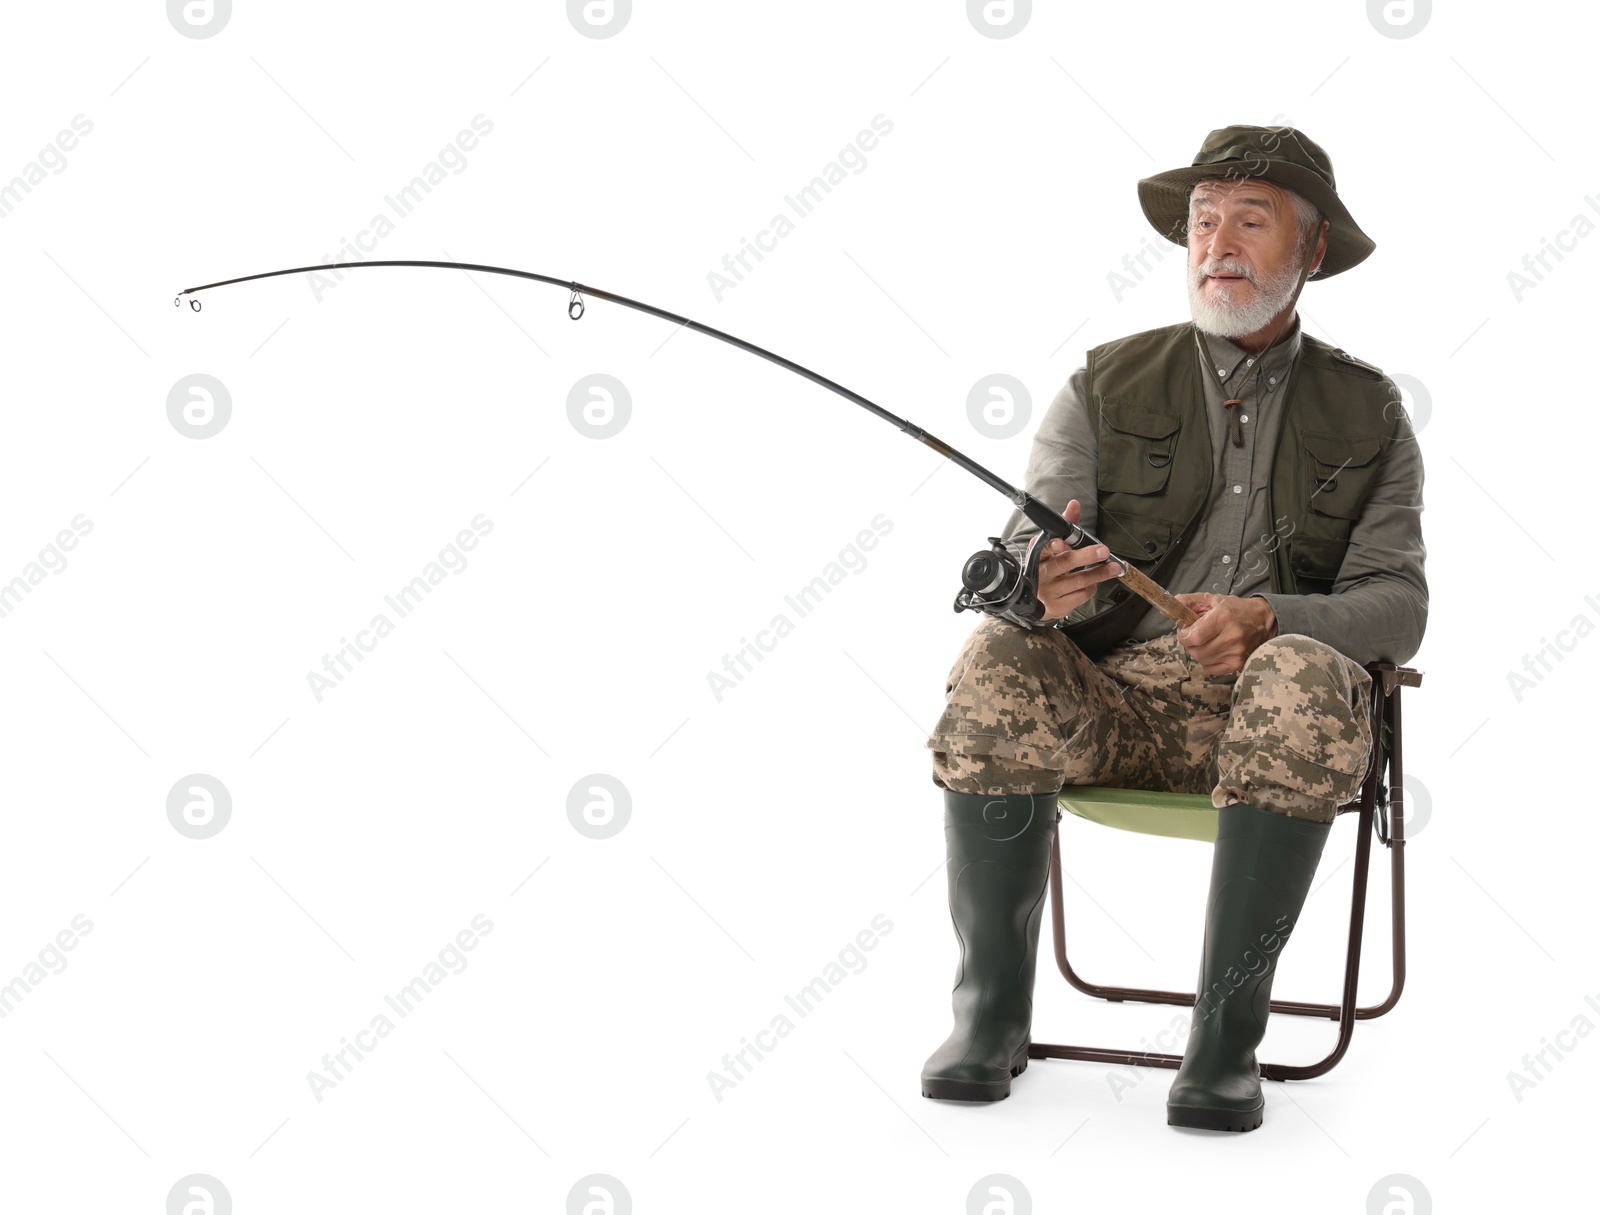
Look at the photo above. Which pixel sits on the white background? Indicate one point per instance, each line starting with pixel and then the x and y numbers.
pixel 768 828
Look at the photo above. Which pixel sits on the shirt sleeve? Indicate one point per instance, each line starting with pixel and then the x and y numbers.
pixel 1378 608
pixel 1061 466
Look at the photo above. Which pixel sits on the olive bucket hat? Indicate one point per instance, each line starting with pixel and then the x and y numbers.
pixel 1281 155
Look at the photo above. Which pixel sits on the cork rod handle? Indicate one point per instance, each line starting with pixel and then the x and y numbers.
pixel 1165 603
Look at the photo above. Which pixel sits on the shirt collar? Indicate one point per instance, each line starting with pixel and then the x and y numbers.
pixel 1227 355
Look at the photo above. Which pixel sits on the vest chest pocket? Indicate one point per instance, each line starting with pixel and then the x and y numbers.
pixel 1315 563
pixel 1137 447
pixel 1341 469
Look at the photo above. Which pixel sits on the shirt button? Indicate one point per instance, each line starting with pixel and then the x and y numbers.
pixel 1226 558
pixel 1244 417
pixel 1238 489
pixel 1222 373
pixel 1272 379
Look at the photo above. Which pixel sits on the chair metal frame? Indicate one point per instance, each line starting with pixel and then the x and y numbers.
pixel 1373 810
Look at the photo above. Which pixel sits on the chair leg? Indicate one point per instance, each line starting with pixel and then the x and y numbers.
pixel 1397 859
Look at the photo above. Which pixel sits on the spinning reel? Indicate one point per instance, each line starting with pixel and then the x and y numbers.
pixel 994 581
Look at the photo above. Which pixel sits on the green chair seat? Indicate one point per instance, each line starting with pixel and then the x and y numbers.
pixel 1184 816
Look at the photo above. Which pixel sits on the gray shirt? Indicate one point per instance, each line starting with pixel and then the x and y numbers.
pixel 1379 605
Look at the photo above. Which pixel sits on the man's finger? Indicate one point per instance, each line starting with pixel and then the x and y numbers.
pixel 1074 558
pixel 1202 631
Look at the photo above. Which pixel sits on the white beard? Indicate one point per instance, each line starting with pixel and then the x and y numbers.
pixel 1224 318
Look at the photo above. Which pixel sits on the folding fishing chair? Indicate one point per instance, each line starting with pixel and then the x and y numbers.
pixel 1380 809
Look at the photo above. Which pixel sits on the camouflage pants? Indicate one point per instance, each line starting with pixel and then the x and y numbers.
pixel 1027 712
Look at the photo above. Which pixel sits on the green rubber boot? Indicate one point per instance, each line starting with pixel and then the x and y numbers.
pixel 1260 874
pixel 998 868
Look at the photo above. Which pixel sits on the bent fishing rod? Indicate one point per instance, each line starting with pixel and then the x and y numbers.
pixel 993 580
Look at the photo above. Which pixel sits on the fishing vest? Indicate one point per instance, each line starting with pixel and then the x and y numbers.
pixel 1146 401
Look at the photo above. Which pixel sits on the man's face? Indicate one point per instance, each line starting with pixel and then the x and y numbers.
pixel 1242 263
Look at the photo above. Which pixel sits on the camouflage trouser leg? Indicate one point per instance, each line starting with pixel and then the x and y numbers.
pixel 1299 739
pixel 1027 711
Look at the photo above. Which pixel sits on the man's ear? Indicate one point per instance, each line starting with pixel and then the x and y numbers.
pixel 1322 247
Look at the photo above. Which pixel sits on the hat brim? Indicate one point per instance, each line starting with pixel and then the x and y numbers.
pixel 1165 200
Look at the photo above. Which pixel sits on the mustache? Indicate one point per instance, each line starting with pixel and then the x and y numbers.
pixel 1225 266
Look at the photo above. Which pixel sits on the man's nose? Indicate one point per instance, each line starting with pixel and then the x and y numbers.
pixel 1223 242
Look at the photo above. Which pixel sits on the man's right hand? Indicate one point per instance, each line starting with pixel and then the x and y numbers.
pixel 1062 589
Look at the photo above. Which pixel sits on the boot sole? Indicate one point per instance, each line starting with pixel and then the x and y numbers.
pixel 940 1089
pixel 1207 1118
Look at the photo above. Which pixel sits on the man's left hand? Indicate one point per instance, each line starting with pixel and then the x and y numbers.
pixel 1228 631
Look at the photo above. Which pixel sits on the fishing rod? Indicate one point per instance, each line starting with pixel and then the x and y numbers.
pixel 992 581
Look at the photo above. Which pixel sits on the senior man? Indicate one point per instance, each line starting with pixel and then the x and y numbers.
pixel 1274 484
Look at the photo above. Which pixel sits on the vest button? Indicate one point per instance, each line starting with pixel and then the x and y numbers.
pixel 1118 595
pixel 1149 546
